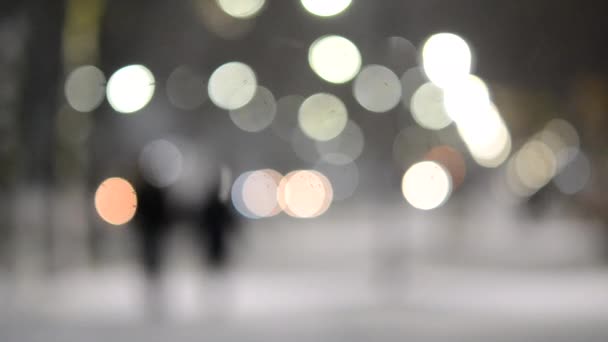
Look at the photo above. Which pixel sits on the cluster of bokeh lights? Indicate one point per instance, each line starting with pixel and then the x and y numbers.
pixel 266 193
pixel 445 93
pixel 553 154
pixel 440 92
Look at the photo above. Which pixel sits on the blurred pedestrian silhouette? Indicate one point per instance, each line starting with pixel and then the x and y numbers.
pixel 152 222
pixel 151 228
pixel 214 224
pixel 217 225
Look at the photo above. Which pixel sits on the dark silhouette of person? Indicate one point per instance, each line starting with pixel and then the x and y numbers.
pixel 151 228
pixel 214 222
pixel 217 225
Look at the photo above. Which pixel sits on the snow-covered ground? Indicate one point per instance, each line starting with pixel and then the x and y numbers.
pixel 430 304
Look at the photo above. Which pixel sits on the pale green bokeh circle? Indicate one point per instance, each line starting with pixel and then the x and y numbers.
pixel 428 109
pixel 322 116
pixel 85 88
pixel 258 114
pixel 232 85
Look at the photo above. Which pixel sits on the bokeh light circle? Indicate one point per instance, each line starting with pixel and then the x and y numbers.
pixel 396 53
pixel 85 88
pixel 426 185
pixel 535 164
pixel 446 59
pixel 130 88
pixel 258 114
pixel 345 148
pixel 562 138
pixel 241 8
pixel 186 89
pixel 411 81
pixel 494 153
pixel 116 201
pixel 259 193
pixel 466 101
pixel 236 196
pixel 334 58
pixel 427 107
pixel 305 193
pixel 281 198
pixel 377 88
pixel 216 20
pixel 232 85
pixel 575 175
pixel 161 163
pixel 565 131
pixel 322 116
pixel 487 138
pixel 325 8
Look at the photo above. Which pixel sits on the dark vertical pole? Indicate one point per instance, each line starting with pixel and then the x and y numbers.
pixel 39 104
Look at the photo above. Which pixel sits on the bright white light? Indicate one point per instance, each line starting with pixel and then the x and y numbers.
pixel 325 8
pixel 335 59
pixel 257 114
pixel 468 100
pixel 241 8
pixel 426 185
pixel 484 131
pixel 85 88
pixel 161 163
pixel 479 123
pixel 377 88
pixel 344 148
pixel 487 138
pixel 446 59
pixel 232 85
pixel 322 116
pixel 130 88
pixel 427 107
